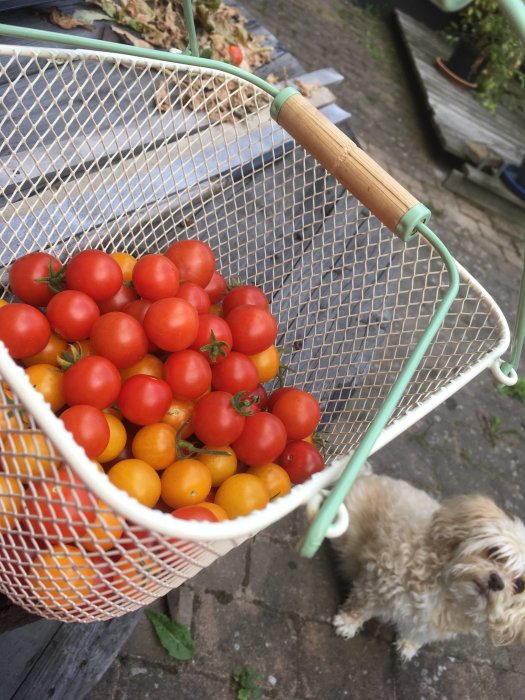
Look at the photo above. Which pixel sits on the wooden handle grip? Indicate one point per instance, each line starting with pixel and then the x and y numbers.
pixel 350 165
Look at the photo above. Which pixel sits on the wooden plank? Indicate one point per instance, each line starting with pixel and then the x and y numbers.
pixel 457 116
pixel 11 616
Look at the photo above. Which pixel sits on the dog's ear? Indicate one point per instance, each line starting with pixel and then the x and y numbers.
pixel 457 518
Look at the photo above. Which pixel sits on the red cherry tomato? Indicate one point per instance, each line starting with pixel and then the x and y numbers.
pixel 196 296
pixel 245 295
pixel 276 395
pixel 118 301
pixel 138 309
pixel 235 54
pixel 144 399
pixel 72 314
pixel 95 273
pixel 194 259
pixel 262 440
pixel 156 277
pixel 119 337
pixel 301 460
pixel 259 398
pixel 171 324
pixel 235 373
pixel 300 413
pixel 28 275
pixel 93 380
pixel 195 513
pixel 188 374
pixel 218 418
pixel 216 288
pixel 89 427
pixel 24 330
pixel 214 338
pixel 253 329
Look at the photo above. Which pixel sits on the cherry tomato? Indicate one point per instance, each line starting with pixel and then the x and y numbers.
pixel 253 329
pixel 185 482
pixel 28 454
pixel 33 278
pixel 235 54
pixel 138 479
pixel 274 477
pixel 179 413
pixel 220 466
pixel 105 530
pixel 93 380
pixel 262 440
pixel 276 395
pixel 244 295
pixel 214 338
pixel 134 574
pixel 267 363
pixel 195 513
pixel 216 288
pixel 11 493
pixel 149 364
pixel 126 262
pixel 144 399
pixel 60 509
pixel 259 398
pixel 49 355
pixel 156 277
pixel 62 577
pixel 120 338
pixel 118 301
pixel 24 330
pixel 156 445
pixel 49 381
pixel 235 373
pixel 196 296
pixel 241 494
pixel 194 259
pixel 138 309
pixel 219 512
pixel 300 413
pixel 171 324
pixel 219 418
pixel 89 427
pixel 188 374
pixel 95 273
pixel 301 460
pixel 72 314
pixel 117 439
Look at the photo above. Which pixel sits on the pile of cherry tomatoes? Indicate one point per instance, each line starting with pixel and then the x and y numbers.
pixel 158 369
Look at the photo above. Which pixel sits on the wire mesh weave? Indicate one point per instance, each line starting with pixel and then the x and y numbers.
pixel 128 155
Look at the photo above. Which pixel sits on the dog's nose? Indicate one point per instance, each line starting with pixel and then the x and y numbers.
pixel 495 582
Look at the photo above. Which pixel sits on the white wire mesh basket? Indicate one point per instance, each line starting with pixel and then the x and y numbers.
pixel 91 158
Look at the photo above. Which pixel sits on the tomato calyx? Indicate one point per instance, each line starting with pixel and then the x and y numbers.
pixel 283 369
pixel 55 279
pixel 215 348
pixel 234 282
pixel 70 356
pixel 242 403
pixel 183 448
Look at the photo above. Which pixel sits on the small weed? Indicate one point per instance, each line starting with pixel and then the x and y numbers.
pixel 517 391
pixel 421 437
pixel 245 683
pixel 376 53
pixel 493 430
pixel 373 97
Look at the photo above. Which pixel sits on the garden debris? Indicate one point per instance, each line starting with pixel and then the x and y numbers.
pixel 60 19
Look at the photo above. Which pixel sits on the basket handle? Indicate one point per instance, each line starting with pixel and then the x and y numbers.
pixel 350 165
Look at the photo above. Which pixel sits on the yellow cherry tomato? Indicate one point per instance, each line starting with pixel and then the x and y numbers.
pixel 267 363
pixel 126 262
pixel 155 444
pixel 185 482
pixel 49 355
pixel 180 412
pixel 150 365
pixel 138 479
pixel 134 574
pixel 220 466
pixel 48 380
pixel 11 492
pixel 117 438
pixel 241 494
pixel 29 454
pixel 3 302
pixel 274 477
pixel 104 531
pixel 61 577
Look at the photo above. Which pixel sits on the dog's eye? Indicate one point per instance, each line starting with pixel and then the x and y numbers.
pixel 519 585
pixel 492 552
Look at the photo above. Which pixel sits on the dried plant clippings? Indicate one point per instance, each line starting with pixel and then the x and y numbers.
pixel 64 21
pixel 306 89
pixel 131 38
pixel 162 99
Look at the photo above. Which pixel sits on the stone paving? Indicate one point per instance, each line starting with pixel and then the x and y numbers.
pixel 263 605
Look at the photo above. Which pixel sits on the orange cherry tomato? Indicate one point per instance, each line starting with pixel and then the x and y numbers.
pixel 61 577
pixel 220 466
pixel 219 512
pixel 241 494
pixel 195 513
pixel 49 355
pixel 134 574
pixel 104 531
pixel 3 302
pixel 185 482
pixel 33 455
pixel 267 363
pixel 48 379
pixel 117 438
pixel 126 262
pixel 138 479
pixel 274 477
pixel 150 364
pixel 11 492
pixel 155 444
pixel 180 412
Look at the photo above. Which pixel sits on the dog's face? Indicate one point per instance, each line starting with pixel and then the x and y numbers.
pixel 483 555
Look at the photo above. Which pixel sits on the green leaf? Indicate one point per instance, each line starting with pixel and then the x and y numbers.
pixel 244 682
pixel 173 636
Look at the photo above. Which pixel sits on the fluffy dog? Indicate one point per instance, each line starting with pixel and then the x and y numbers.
pixel 433 570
